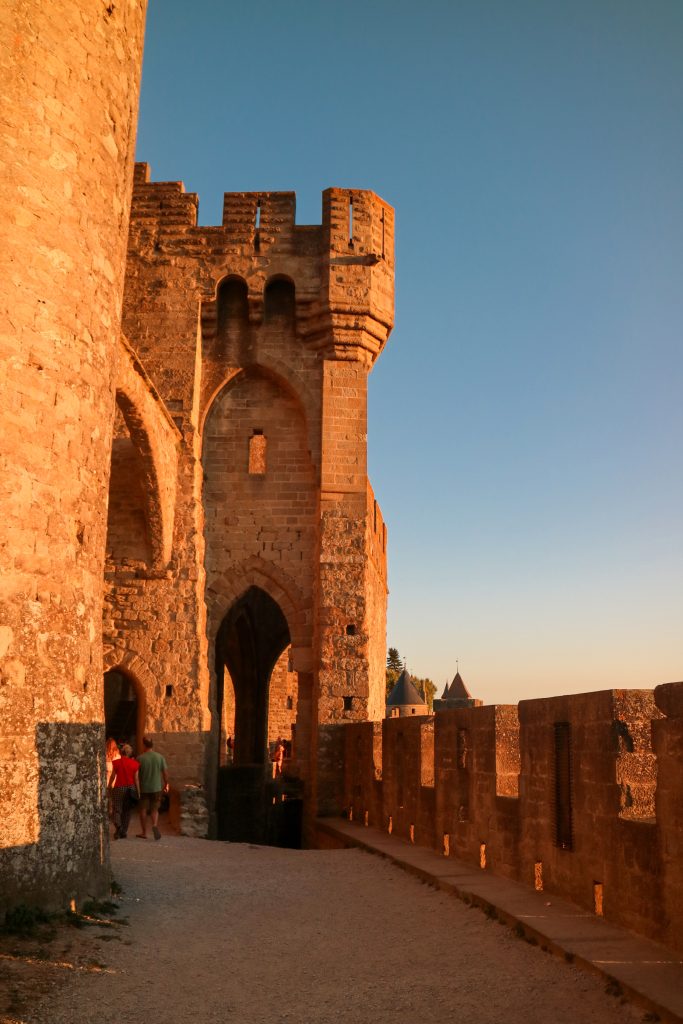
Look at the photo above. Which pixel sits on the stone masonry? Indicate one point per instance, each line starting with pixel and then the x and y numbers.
pixel 69 75
pixel 183 469
pixel 257 336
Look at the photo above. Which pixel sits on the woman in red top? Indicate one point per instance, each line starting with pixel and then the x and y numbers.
pixel 123 783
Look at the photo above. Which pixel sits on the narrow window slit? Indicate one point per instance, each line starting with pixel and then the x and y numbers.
pixel 257 225
pixel 563 786
pixel 597 898
pixel 257 453
pixel 351 220
pixel 482 855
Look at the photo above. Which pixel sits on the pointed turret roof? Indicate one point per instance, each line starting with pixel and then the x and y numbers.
pixel 457 690
pixel 444 695
pixel 404 692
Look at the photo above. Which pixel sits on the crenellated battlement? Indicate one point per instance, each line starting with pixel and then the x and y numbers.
pixel 355 222
pixel 342 269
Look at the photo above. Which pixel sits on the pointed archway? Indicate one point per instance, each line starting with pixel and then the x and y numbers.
pixel 124 707
pixel 252 805
pixel 249 642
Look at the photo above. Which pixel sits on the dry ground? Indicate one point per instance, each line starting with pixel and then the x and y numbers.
pixel 239 934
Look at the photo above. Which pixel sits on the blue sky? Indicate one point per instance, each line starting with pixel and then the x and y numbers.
pixel 526 417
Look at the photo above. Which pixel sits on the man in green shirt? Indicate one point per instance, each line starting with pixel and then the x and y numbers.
pixel 153 776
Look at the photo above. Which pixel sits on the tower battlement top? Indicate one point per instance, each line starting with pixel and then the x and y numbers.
pixel 356 223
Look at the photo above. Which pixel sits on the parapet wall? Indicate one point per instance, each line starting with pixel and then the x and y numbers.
pixel 579 795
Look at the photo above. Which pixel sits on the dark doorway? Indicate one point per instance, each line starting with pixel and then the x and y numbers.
pixel 250 640
pixel 251 805
pixel 122 709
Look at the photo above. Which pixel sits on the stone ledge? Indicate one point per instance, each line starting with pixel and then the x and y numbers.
pixel 650 975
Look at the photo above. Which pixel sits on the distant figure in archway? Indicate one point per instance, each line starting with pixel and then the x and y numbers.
pixel 278 756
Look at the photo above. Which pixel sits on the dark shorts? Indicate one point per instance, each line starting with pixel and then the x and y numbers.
pixel 150 801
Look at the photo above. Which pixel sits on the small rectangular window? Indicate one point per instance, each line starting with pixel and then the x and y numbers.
pixel 348 703
pixel 257 453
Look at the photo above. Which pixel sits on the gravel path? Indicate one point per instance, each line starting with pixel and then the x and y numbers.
pixel 240 934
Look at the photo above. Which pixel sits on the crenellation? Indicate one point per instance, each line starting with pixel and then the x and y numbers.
pixel 495 783
pixel 191 545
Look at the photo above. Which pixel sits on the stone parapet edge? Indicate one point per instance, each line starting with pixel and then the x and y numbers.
pixel 633 977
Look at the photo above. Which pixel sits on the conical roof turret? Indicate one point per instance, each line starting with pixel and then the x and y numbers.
pixel 404 691
pixel 457 690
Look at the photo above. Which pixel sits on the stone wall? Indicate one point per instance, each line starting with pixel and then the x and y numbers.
pixel 257 337
pixel 69 76
pixel 580 795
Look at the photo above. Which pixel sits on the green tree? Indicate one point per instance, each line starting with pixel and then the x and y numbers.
pixel 394 660
pixel 394 668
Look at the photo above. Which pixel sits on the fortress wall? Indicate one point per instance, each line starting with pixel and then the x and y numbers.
pixel 69 76
pixel 408 777
pixel 263 325
pixel 667 735
pixel 597 819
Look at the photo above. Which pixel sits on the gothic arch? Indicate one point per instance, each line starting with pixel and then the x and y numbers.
pixel 280 377
pixel 155 437
pixel 223 591
pixel 131 665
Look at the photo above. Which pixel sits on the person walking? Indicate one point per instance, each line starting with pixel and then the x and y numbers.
pixel 153 775
pixel 112 753
pixel 123 783
pixel 278 756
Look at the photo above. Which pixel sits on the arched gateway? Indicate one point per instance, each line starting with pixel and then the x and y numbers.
pixel 253 802
pixel 251 639
pixel 255 591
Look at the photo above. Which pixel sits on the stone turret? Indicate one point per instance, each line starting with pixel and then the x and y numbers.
pixel 68 108
pixel 405 699
pixel 456 696
pixel 258 334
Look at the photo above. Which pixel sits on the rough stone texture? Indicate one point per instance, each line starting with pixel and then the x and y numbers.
pixel 257 339
pixel 69 74
pixel 489 796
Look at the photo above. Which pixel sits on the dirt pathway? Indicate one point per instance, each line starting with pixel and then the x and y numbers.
pixel 246 935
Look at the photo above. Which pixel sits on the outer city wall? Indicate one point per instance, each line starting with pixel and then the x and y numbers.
pixel 69 79
pixel 580 795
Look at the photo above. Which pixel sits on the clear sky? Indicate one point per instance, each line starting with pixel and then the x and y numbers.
pixel 526 416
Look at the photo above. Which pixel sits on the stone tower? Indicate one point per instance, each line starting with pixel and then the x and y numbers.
pixel 257 336
pixel 69 73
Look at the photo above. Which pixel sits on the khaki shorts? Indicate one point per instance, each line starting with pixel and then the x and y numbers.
pixel 150 801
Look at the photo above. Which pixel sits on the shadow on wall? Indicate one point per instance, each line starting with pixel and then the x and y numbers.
pixel 53 826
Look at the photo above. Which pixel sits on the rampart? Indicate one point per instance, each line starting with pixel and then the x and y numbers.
pixel 579 796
